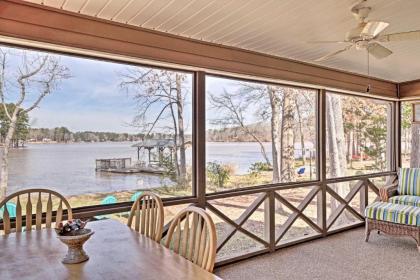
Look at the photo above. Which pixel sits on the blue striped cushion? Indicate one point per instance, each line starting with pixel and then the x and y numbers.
pixel 409 181
pixel 394 213
pixel 411 200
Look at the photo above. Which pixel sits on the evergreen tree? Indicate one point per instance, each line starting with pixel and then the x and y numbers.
pixel 22 125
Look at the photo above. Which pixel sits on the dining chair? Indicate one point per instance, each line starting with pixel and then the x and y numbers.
pixel 192 234
pixel 147 215
pixel 38 202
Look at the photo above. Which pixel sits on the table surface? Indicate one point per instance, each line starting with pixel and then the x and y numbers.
pixel 115 251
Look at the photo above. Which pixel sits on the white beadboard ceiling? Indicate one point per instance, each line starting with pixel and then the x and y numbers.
pixel 277 27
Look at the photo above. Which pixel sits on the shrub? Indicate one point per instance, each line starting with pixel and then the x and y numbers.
pixel 218 174
pixel 257 167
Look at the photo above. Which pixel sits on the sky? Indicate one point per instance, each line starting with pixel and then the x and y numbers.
pixel 90 100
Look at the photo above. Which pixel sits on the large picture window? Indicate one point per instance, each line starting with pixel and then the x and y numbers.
pixel 358 135
pixel 258 134
pixel 103 133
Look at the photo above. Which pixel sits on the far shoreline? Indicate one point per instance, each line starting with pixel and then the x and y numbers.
pixel 95 142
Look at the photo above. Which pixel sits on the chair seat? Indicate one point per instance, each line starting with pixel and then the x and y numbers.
pixel 394 213
pixel 410 200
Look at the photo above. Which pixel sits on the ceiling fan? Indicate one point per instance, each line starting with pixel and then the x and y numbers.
pixel 367 35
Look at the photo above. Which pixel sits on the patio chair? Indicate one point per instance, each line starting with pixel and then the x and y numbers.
pixel 196 239
pixel 36 199
pixel 11 208
pixel 406 191
pixel 398 212
pixel 135 196
pixel 110 199
pixel 147 214
pixel 301 171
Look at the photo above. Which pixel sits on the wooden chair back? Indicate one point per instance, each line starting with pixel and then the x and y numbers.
pixel 192 234
pixel 147 215
pixel 40 202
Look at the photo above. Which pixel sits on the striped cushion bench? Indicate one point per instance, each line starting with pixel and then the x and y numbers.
pixel 394 213
pixel 410 200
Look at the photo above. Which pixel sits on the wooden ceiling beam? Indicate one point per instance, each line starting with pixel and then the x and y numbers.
pixel 410 89
pixel 28 21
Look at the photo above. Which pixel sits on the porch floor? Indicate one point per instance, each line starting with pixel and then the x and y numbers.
pixel 341 256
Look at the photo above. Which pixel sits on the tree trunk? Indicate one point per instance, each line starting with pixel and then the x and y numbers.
pixel 275 103
pixel 350 148
pixel 288 151
pixel 334 166
pixel 302 138
pixel 5 157
pixel 260 143
pixel 415 145
pixel 360 143
pixel 181 133
pixel 175 161
pixel 340 138
pixel 337 148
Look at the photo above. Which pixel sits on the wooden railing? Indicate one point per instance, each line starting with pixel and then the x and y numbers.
pixel 323 219
pixel 312 207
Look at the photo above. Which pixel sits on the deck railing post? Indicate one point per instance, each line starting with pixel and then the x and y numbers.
pixel 397 135
pixel 269 220
pixel 390 156
pixel 322 161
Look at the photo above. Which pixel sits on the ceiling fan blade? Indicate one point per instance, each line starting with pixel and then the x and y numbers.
pixel 328 42
pixel 401 36
pixel 378 51
pixel 325 57
pixel 373 28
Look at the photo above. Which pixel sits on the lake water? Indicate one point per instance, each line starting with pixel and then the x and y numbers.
pixel 70 168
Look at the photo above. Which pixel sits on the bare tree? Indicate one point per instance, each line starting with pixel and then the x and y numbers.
pixel 275 96
pixel 415 145
pixel 300 129
pixel 234 107
pixel 335 168
pixel 337 150
pixel 37 76
pixel 287 137
pixel 304 104
pixel 276 105
pixel 160 96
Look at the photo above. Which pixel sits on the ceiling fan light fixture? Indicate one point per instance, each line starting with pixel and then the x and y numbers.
pixel 360 45
pixel 367 35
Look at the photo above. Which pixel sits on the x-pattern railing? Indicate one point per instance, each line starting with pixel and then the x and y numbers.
pixel 344 203
pixel 270 242
pixel 238 224
pixel 361 187
pixel 297 212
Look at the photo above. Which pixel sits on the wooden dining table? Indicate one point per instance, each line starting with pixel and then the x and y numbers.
pixel 115 251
